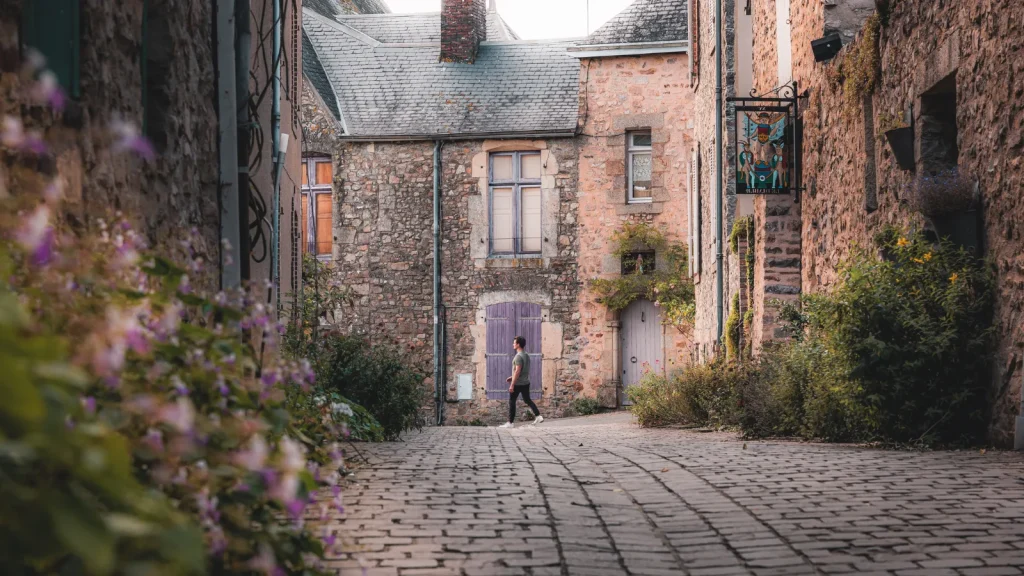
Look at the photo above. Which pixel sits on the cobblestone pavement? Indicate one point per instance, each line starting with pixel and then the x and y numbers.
pixel 599 496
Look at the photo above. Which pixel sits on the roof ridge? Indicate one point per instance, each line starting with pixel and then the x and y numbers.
pixel 344 28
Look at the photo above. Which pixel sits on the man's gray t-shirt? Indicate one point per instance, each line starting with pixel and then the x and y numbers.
pixel 522 359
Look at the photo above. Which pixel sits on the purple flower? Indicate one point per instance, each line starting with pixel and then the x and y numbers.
pixel 128 139
pixel 296 508
pixel 89 405
pixel 180 415
pixel 254 456
pixel 179 387
pixel 154 440
pixel 48 91
pixel 36 236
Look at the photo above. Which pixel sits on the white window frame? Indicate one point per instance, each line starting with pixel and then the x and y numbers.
pixel 309 193
pixel 517 183
pixel 633 150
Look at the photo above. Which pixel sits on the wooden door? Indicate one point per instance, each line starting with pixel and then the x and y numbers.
pixel 505 322
pixel 641 343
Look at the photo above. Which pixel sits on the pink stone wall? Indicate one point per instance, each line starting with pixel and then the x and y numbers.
pixel 621 94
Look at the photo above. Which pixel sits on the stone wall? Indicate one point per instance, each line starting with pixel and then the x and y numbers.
pixel 618 95
pixel 383 250
pixel 463 27
pixel 854 185
pixel 705 337
pixel 167 198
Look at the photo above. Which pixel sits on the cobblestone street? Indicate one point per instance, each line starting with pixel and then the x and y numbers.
pixel 599 496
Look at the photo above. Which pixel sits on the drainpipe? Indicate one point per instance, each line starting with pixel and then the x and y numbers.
pixel 438 362
pixel 277 156
pixel 719 281
pixel 227 144
pixel 243 38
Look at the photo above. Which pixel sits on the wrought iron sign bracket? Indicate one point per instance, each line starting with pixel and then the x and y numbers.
pixel 766 143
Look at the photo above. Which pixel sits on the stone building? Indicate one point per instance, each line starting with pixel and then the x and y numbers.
pixel 158 67
pixel 950 72
pixel 535 152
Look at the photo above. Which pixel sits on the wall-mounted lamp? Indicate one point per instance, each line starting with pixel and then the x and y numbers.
pixel 826 48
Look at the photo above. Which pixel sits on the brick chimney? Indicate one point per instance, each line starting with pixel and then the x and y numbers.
pixel 463 27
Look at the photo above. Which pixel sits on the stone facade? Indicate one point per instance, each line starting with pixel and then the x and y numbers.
pixel 854 186
pixel 175 197
pixel 619 95
pixel 165 198
pixel 383 251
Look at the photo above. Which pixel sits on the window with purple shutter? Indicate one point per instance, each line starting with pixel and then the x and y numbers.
pixel 505 322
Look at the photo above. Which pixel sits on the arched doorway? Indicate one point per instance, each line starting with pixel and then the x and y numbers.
pixel 641 343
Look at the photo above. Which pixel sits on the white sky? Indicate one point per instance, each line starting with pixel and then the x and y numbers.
pixel 534 19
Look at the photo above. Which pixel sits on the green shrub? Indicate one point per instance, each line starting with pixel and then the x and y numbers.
pixel 733 329
pixel 474 422
pixel 585 406
pixel 377 378
pixel 916 328
pixel 702 395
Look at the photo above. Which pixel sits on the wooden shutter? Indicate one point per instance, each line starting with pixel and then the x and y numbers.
pixel 324 221
pixel 528 320
pixel 52 27
pixel 695 222
pixel 501 320
pixel 305 222
pixel 530 221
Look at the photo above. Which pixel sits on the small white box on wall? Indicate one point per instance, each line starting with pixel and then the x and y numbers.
pixel 465 386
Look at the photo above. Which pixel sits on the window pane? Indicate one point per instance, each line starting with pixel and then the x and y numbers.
pixel 641 139
pixel 305 223
pixel 324 173
pixel 501 168
pixel 502 220
pixel 529 167
pixel 532 236
pixel 324 233
pixel 641 175
pixel 305 174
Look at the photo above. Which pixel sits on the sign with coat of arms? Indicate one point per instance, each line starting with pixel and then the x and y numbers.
pixel 764 145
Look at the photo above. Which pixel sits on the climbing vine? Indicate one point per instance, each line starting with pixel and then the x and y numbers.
pixel 858 71
pixel 669 286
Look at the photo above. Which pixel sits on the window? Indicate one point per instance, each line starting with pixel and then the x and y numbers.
pixel 505 322
pixel 639 166
pixel 52 28
pixel 317 207
pixel 515 203
pixel 638 263
pixel 695 222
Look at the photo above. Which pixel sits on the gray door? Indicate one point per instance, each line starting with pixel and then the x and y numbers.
pixel 641 343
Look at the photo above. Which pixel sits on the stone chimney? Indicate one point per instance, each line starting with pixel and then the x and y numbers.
pixel 463 28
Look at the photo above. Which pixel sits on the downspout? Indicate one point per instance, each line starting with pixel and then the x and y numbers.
pixel 719 272
pixel 243 39
pixel 438 350
pixel 227 144
pixel 277 156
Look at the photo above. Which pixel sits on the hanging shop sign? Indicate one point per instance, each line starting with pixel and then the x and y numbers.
pixel 765 143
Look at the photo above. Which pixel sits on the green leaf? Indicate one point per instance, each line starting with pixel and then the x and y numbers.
pixel 127 525
pixel 81 529
pixel 184 545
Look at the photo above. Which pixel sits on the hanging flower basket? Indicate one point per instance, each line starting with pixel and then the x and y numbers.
pixel 901 142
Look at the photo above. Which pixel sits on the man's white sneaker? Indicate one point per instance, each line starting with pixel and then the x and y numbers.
pixel 507 425
pixel 538 419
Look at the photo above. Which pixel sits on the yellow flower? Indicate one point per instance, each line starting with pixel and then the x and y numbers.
pixel 918 260
pixel 902 242
pixel 954 277
pixel 927 256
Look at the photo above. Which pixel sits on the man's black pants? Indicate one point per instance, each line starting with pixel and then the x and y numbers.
pixel 524 391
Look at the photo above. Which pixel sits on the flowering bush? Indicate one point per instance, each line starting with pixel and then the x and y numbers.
pixel 142 432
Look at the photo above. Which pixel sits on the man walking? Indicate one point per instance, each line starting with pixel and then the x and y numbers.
pixel 519 384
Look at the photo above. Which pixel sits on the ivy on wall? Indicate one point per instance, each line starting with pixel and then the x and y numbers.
pixel 668 286
pixel 858 71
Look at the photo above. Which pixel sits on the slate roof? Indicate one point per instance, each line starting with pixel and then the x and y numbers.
pixel 314 71
pixel 387 88
pixel 645 21
pixel 331 8
pixel 418 28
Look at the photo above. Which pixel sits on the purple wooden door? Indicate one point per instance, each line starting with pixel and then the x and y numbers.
pixel 505 322
pixel 528 326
